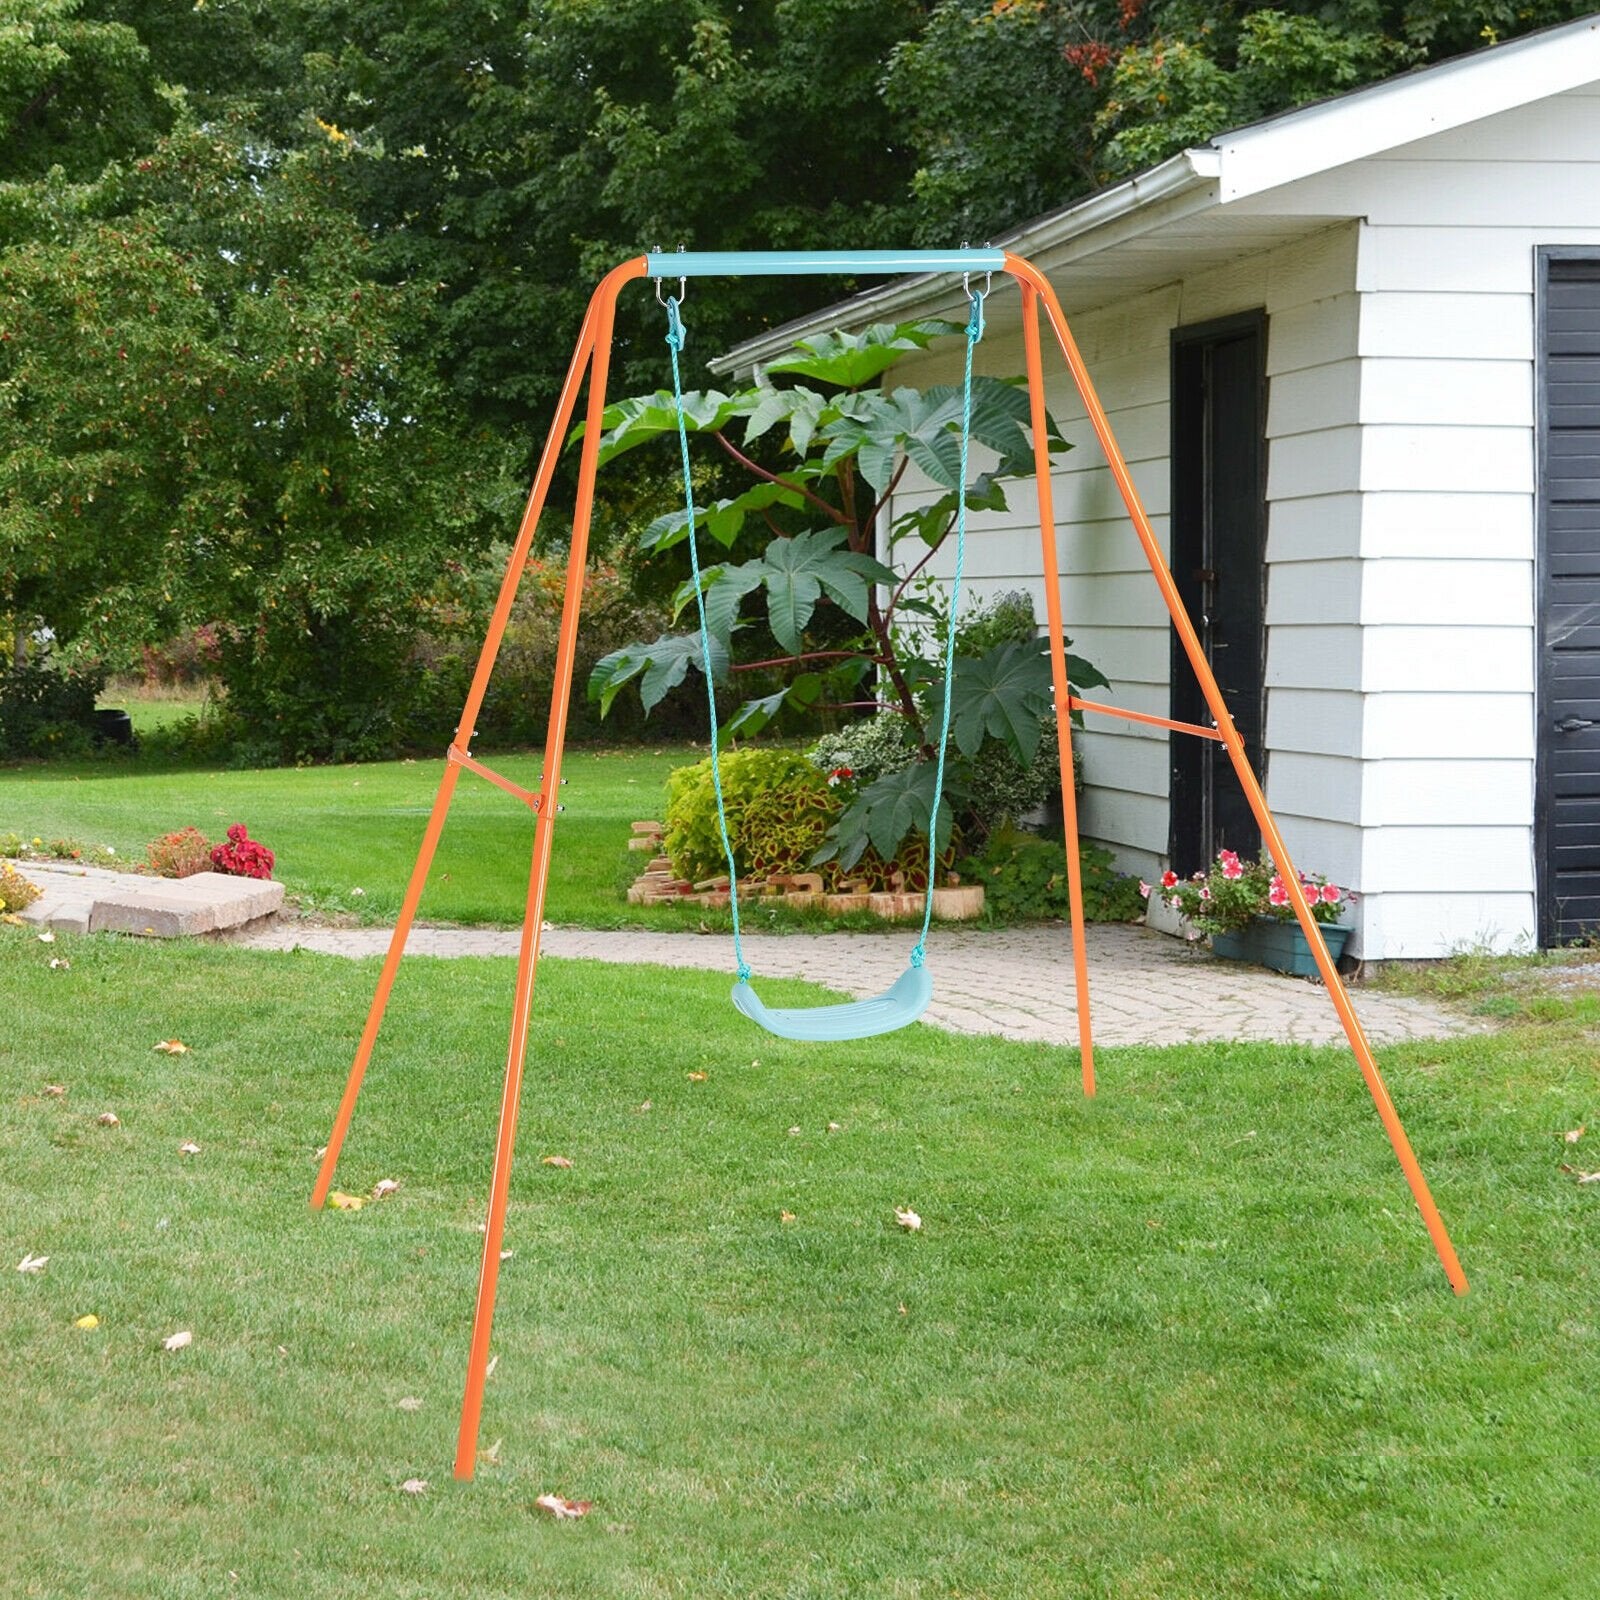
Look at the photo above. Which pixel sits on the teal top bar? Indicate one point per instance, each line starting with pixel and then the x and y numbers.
pixel 806 263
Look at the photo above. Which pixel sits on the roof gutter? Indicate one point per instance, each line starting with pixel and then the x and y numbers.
pixel 1181 175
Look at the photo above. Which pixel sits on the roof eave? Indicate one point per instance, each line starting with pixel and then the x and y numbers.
pixel 1182 175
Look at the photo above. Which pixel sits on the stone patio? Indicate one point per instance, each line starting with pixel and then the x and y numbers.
pixel 79 899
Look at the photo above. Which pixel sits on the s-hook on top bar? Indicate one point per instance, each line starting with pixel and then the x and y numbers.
pixel 800 263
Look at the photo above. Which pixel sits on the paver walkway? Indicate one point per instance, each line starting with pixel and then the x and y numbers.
pixel 1145 987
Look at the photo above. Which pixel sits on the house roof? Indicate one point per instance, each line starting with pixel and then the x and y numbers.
pixel 1212 204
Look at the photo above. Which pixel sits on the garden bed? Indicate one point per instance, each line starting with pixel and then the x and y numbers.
pixel 802 891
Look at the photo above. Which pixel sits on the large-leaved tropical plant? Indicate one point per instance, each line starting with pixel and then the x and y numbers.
pixel 801 544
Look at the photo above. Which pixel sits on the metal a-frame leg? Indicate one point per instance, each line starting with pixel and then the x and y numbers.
pixel 1043 297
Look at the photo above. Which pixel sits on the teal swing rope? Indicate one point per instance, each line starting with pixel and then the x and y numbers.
pixel 905 1000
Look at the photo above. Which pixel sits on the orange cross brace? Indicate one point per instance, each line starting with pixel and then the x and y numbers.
pixel 529 797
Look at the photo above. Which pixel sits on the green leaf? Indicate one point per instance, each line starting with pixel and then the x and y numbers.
pixel 931 523
pixel 636 421
pixel 725 519
pixel 853 359
pixel 754 715
pixel 797 570
pixel 725 588
pixel 887 810
pixel 1003 693
pixel 659 667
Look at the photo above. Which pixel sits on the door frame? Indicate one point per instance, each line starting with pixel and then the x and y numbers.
pixel 1196 754
pixel 1547 913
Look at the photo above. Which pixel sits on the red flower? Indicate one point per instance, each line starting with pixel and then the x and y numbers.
pixel 1230 865
pixel 1169 880
pixel 1277 895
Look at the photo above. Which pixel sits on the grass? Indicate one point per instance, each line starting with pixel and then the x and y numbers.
pixel 339 829
pixel 1185 1340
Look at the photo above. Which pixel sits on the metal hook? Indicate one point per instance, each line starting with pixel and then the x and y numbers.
pixel 683 283
pixel 966 277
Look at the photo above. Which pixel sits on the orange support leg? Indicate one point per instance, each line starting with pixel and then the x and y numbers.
pixel 1027 275
pixel 452 770
pixel 539 873
pixel 1058 674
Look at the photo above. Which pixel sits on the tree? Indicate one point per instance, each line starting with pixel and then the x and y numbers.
pixel 205 416
pixel 837 614
pixel 513 153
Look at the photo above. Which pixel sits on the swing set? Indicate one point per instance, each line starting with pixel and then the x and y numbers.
pixel 906 999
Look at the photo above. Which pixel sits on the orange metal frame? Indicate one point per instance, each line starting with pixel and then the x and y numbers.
pixel 592 356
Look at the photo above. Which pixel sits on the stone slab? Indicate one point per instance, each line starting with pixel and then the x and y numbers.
pixel 80 899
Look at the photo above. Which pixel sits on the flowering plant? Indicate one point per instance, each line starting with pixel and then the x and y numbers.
pixel 1235 892
pixel 243 856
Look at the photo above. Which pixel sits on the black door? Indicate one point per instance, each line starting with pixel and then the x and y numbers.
pixel 1219 524
pixel 1568 716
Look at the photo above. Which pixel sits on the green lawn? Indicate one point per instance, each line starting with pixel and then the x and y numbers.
pixel 1185 1340
pixel 339 829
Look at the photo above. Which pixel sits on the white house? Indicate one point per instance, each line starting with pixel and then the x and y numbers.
pixel 1353 355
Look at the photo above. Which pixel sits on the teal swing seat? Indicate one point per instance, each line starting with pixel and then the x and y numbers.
pixel 907 997
pixel 902 1002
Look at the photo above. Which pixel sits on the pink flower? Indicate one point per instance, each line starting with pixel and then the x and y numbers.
pixel 1277 895
pixel 1330 894
pixel 1144 889
pixel 1169 879
pixel 1228 857
pixel 1231 867
pixel 1205 893
pixel 1175 902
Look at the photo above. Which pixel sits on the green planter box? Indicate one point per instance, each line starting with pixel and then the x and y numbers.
pixel 1279 945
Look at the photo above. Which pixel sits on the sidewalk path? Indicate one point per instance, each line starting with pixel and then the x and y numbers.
pixel 1145 987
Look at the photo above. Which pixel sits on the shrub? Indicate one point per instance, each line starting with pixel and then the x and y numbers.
pixel 779 807
pixel 182 854
pixel 868 748
pixel 242 856
pixel 1003 619
pixel 999 788
pixel 16 892
pixel 44 712
pixel 1025 876
pixel 775 802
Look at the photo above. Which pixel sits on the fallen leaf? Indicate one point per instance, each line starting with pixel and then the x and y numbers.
pixel 902 1308
pixel 491 1456
pixel 47 938
pixel 188 1148
pixel 322 1150
pixel 1581 1176
pixel 340 1201
pixel 698 1077
pixel 488 1371
pixel 55 1090
pixel 384 1187
pixel 414 1486
pixel 178 1341
pixel 59 963
pixel 908 1219
pixel 563 1510
pixel 410 1403
pixel 109 1119
pixel 506 1255
pixel 556 1161
pixel 1573 1135
pixel 32 1263
pixel 833 1127
pixel 794 1133
pixel 172 1047
pixel 645 1105
pixel 89 1321
pixel 786 1216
